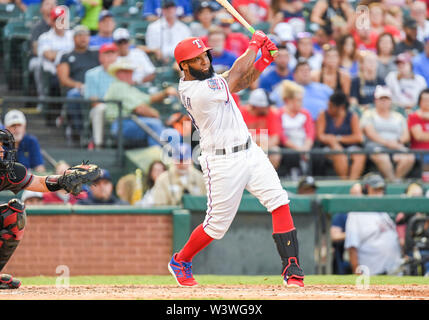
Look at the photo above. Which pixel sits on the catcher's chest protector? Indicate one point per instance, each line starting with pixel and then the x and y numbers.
pixel 12 224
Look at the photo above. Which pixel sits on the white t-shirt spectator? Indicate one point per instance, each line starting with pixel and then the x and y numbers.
pixel 405 92
pixel 160 35
pixel 374 236
pixel 52 41
pixel 141 61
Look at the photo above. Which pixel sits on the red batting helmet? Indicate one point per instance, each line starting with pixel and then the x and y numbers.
pixel 189 48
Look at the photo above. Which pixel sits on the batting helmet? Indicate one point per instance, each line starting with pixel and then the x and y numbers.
pixel 189 48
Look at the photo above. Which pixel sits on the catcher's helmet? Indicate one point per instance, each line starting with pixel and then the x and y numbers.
pixel 189 48
pixel 9 152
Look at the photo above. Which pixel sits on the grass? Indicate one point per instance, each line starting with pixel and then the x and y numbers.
pixel 223 280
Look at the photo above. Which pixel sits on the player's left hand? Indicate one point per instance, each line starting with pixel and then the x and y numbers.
pixel 74 178
pixel 266 50
pixel 258 40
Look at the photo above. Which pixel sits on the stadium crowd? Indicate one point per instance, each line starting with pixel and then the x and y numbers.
pixel 350 77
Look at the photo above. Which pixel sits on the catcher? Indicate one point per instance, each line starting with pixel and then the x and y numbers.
pixel 14 177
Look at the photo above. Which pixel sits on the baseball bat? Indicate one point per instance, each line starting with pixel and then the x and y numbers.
pixel 238 16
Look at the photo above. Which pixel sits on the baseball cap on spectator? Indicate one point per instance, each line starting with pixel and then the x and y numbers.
pixel 284 32
pixel 104 174
pixel 121 34
pixel 103 14
pixel 225 19
pixel 14 117
pixel 57 12
pixel 410 23
pixel 373 180
pixel 307 182
pixel 382 91
pixel 304 35
pixel 121 64
pixel 27 194
pixel 182 152
pixel 80 29
pixel 168 4
pixel 259 98
pixel 108 47
pixel 203 5
pixel 403 57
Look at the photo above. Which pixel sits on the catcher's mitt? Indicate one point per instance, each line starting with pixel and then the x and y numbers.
pixel 76 176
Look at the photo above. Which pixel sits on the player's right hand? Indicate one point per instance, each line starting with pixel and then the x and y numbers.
pixel 258 40
pixel 266 51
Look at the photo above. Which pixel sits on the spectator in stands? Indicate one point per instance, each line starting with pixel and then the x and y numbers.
pixel 364 84
pixel 337 231
pixel 92 10
pixel 144 69
pixel 387 130
pixel 421 62
pixel 264 124
pixel 316 95
pixel 386 59
pixel 338 129
pixel 365 38
pixel 181 178
pixel 273 76
pixel 305 50
pixel 297 126
pixel 222 59
pixel 322 36
pixel 41 26
pixel 404 83
pixel 106 25
pixel 287 11
pixel 135 102
pixel 127 188
pixel 51 46
pixel 204 16
pixel 71 74
pixel 164 34
pixel 253 11
pixel 348 55
pixel 61 196
pixel 418 125
pixel 306 186
pixel 29 153
pixel 371 238
pixel 327 13
pixel 378 25
pixel 410 44
pixel 418 11
pixel 32 198
pixel 236 42
pixel 394 16
pixel 152 9
pixel 97 82
pixel 330 73
pixel 156 168
pixel 101 192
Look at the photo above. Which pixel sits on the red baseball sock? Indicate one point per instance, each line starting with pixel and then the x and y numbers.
pixel 198 240
pixel 282 219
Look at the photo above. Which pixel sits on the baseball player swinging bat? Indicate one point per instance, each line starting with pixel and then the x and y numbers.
pixel 235 14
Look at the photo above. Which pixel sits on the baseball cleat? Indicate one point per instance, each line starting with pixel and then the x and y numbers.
pixel 182 272
pixel 8 282
pixel 293 276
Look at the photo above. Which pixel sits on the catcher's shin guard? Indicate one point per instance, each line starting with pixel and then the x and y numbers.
pixel 12 223
pixel 287 246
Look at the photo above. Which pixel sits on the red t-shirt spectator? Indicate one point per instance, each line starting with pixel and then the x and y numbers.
pixel 54 198
pixel 235 42
pixel 258 7
pixel 270 122
pixel 416 119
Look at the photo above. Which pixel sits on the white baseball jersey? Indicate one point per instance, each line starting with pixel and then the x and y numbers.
pixel 214 113
pixel 221 126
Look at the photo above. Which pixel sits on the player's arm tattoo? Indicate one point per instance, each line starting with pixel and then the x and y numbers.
pixel 247 80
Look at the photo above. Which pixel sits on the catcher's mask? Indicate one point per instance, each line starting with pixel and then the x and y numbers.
pixel 9 153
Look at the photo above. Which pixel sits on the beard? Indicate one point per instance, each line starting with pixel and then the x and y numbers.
pixel 201 75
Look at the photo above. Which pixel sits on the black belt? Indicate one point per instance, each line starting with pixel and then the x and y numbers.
pixel 241 147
